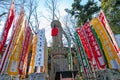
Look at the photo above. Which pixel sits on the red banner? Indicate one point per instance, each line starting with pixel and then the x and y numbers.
pixel 94 46
pixel 87 46
pixel 5 33
pixel 26 58
pixel 7 26
pixel 24 48
pixel 85 42
pixel 10 47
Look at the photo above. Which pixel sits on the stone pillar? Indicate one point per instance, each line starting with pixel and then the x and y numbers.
pixel 57 40
pixel 58 60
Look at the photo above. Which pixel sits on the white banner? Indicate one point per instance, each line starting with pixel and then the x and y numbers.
pixel 39 60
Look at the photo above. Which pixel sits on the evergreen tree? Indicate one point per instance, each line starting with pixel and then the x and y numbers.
pixel 83 12
pixel 111 9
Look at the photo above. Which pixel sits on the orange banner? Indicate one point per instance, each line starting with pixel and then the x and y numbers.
pixel 110 53
pixel 32 62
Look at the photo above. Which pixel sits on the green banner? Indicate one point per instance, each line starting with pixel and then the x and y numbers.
pixel 83 56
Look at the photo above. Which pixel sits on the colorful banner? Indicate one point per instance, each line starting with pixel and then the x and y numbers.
pixel 78 54
pixel 97 53
pixel 107 27
pixel 87 46
pixel 25 45
pixel 14 37
pixel 17 46
pixel 24 70
pixel 85 42
pixel 100 45
pixel 31 67
pixel 85 63
pixel 12 68
pixel 39 59
pixel 110 53
pixel 79 60
pixel 7 26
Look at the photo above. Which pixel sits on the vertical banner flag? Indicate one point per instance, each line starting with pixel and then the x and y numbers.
pixel 82 67
pixel 14 37
pixel 7 26
pixel 24 70
pixel 87 46
pixel 83 55
pixel 94 46
pixel 39 60
pixel 46 57
pixel 12 68
pixel 100 45
pixel 25 46
pixel 69 55
pixel 79 60
pixel 77 53
pixel 110 53
pixel 31 67
pixel 15 57
pixel 106 25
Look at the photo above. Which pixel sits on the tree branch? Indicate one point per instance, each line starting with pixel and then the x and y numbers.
pixel 3 14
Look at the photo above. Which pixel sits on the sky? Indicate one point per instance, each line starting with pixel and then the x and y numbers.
pixel 43 11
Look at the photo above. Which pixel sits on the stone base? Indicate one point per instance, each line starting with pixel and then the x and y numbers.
pixel 37 76
pixel 60 64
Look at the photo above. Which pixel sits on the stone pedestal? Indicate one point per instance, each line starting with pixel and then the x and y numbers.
pixel 37 76
pixel 58 61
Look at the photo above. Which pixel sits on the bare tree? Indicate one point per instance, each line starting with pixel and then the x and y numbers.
pixel 30 7
pixel 34 22
pixel 52 6
pixel 70 27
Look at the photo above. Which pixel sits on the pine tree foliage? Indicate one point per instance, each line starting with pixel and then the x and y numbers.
pixel 83 12
pixel 111 9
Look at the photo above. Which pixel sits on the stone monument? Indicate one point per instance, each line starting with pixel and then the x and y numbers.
pixel 58 60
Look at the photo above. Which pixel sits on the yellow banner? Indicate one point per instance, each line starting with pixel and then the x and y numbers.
pixel 110 53
pixel 34 46
pixel 12 68
pixel 14 60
